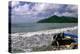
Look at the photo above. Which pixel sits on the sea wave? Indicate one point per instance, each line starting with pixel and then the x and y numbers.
pixel 30 40
pixel 29 34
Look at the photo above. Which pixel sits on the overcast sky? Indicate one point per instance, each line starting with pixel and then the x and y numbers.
pixel 31 11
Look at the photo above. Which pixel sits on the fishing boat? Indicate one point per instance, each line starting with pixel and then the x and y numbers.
pixel 70 41
pixel 74 43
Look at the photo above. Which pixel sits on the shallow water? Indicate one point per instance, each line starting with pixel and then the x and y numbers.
pixel 31 27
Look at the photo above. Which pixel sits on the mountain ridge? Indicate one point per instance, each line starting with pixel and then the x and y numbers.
pixel 57 19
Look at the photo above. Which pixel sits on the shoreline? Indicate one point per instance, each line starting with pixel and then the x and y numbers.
pixel 29 42
pixel 53 31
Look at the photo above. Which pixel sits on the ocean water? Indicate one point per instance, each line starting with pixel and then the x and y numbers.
pixel 31 27
pixel 31 40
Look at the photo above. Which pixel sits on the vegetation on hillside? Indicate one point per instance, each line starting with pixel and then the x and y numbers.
pixel 57 19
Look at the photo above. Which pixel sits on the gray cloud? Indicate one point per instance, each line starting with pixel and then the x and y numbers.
pixel 31 12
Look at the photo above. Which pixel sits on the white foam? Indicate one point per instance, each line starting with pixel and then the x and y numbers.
pixel 53 31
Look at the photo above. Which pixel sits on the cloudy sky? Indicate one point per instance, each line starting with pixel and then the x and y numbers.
pixel 32 11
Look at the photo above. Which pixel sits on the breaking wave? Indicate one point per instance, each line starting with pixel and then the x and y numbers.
pixel 28 41
pixel 53 31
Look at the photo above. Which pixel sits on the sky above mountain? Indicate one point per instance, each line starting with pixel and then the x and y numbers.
pixel 33 11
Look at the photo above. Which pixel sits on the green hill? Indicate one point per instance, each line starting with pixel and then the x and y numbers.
pixel 56 19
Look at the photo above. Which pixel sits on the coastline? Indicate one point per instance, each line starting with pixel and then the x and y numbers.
pixel 52 31
pixel 28 42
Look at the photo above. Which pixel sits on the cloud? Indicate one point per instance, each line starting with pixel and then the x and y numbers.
pixel 37 8
pixel 21 9
pixel 14 3
pixel 31 11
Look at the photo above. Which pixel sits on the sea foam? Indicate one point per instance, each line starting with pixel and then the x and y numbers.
pixel 52 31
pixel 30 40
